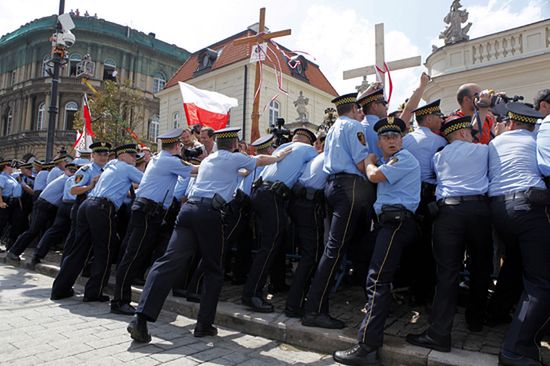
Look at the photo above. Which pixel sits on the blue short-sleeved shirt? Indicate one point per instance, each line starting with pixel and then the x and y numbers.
pixel 288 170
pixel 53 193
pixel 159 179
pixel 461 169
pixel 54 173
pixel 372 137
pixel 543 147
pixel 402 184
pixel 10 186
pixel 41 180
pixel 513 163
pixel 115 181
pixel 314 176
pixel 181 187
pixel 345 146
pixel 245 183
pixel 67 196
pixel 85 174
pixel 219 174
pixel 422 143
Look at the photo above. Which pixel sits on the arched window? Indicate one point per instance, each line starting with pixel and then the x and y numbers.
pixel 8 123
pixel 74 59
pixel 159 81
pixel 70 111
pixel 40 117
pixel 176 119
pixel 154 128
pixel 46 67
pixel 274 109
pixel 109 69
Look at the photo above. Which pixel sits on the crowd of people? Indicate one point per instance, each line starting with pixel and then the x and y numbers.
pixel 411 198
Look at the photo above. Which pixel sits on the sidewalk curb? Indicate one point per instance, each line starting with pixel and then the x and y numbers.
pixel 278 327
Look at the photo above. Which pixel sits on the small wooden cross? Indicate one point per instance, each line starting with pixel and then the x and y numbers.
pixel 259 38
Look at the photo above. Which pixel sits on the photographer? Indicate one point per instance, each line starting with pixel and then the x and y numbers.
pixel 191 147
pixel 475 103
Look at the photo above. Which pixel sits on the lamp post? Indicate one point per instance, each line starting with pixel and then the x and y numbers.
pixel 57 59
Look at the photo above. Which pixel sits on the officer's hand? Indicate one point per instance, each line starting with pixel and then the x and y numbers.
pixel 424 79
pixel 3 205
pixel 281 154
pixel 372 159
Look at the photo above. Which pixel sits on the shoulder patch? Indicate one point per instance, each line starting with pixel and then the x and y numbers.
pixel 85 167
pixel 393 160
pixel 78 178
pixel 361 138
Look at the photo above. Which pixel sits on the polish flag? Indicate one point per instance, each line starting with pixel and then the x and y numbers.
pixel 87 117
pixel 206 108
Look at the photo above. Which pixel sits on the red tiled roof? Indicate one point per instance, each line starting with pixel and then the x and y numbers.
pixel 234 53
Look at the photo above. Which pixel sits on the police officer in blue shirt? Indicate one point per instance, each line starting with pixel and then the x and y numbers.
pixel 215 185
pixel 41 178
pixel 307 210
pixel 519 208
pixel 397 198
pixel 85 180
pixel 44 212
pixel 462 183
pixel 153 198
pixel 347 198
pixel 59 230
pixel 375 107
pixel 270 200
pixel 10 203
pixel 423 143
pixel 96 228
pixel 59 162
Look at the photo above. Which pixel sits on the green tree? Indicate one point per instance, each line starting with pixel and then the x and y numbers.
pixel 114 108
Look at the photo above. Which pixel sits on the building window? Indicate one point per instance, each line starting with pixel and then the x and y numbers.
pixel 109 69
pixel 206 59
pixel 46 68
pixel 274 108
pixel 159 81
pixel 154 126
pixel 13 79
pixel 70 111
pixel 298 66
pixel 40 117
pixel 8 124
pixel 74 59
pixel 176 119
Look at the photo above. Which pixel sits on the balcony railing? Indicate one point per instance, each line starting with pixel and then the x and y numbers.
pixel 37 137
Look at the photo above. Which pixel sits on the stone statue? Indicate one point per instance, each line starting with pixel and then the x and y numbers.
pixel 454 32
pixel 300 105
pixel 364 86
pixel 328 120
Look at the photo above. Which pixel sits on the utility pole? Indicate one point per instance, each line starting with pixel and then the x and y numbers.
pixel 57 59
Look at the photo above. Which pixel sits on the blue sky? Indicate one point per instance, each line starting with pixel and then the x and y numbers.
pixel 339 34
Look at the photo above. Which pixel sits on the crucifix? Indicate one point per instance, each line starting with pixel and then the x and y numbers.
pixel 380 59
pixel 258 38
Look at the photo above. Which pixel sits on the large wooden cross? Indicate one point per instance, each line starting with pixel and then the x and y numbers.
pixel 259 38
pixel 380 59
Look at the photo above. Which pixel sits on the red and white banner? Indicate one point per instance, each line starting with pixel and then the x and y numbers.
pixel 206 108
pixel 87 117
pixel 83 141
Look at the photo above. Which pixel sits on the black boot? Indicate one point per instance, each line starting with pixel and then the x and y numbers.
pixel 322 320
pixel 138 329
pixel 424 339
pixel 204 330
pixel 360 355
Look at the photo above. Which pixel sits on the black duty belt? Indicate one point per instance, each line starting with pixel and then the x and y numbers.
pixel 333 177
pixel 509 197
pixel 102 200
pixel 217 202
pixel 455 200
pixel 150 205
pixel 279 188
pixel 10 200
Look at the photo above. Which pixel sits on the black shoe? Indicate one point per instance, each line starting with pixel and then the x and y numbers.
pixel 63 295
pixel 192 297
pixel 123 309
pixel 321 320
pixel 202 330
pixel 519 361
pixel 293 312
pixel 138 330
pixel 101 298
pixel 360 354
pixel 177 292
pixel 425 340
pixel 13 257
pixel 258 304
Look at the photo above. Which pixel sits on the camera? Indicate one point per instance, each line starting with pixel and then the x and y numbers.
pixel 192 153
pixel 498 104
pixel 281 135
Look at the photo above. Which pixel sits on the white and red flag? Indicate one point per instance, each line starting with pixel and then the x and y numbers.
pixel 87 117
pixel 83 141
pixel 206 108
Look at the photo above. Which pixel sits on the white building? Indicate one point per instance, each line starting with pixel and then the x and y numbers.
pixel 516 61
pixel 226 68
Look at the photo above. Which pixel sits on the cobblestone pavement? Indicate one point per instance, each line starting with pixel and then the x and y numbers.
pixel 37 331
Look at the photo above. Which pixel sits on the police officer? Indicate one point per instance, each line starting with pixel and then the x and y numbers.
pixel 397 198
pixel 84 156
pixel 346 195
pixel 520 212
pixel 10 203
pixel 40 180
pixel 307 210
pixel 270 203
pixel 62 223
pixel 423 143
pixel 44 212
pixel 215 184
pixel 96 228
pixel 462 182
pixel 375 107
pixel 85 180
pixel 58 169
pixel 153 198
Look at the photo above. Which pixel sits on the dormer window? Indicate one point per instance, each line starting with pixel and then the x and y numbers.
pixel 206 59
pixel 298 65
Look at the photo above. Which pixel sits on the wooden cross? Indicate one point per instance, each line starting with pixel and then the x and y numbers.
pixel 259 38
pixel 380 59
